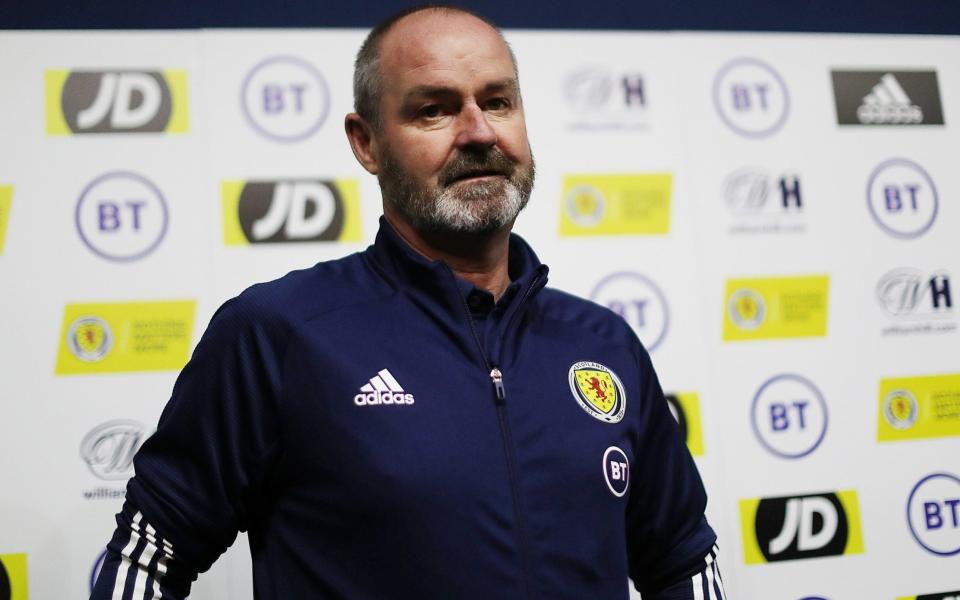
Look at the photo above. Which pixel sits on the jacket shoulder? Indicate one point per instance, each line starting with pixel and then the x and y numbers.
pixel 587 316
pixel 277 307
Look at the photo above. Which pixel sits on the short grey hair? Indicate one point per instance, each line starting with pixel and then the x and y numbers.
pixel 367 78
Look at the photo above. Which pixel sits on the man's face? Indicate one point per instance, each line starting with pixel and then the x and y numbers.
pixel 453 149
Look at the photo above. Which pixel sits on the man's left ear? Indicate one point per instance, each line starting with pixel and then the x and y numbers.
pixel 362 142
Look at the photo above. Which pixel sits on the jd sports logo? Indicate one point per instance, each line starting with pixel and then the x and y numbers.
pixel 685 408
pixel 263 212
pixel 887 98
pixel 13 577
pixel 941 596
pixel 80 102
pixel 799 527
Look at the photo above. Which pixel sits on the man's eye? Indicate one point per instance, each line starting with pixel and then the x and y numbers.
pixel 430 112
pixel 498 104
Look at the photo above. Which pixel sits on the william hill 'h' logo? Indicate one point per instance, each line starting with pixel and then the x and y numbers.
pixel 798 527
pixel 116 101
pixel 598 391
pixel 302 210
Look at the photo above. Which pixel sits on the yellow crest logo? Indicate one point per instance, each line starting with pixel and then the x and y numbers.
pixel 615 204
pixel 125 336
pixel 767 308
pixel 89 338
pixel 747 309
pixel 900 409
pixel 919 407
pixel 598 391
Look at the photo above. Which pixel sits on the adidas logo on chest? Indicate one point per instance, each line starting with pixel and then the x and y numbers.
pixel 382 388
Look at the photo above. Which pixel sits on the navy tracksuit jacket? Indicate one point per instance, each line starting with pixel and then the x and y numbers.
pixel 384 430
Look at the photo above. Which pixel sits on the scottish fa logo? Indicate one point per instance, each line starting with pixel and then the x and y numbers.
pixel 586 205
pixel 900 409
pixel 598 391
pixel 747 309
pixel 89 339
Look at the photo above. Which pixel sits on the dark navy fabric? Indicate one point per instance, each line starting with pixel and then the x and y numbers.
pixel 460 494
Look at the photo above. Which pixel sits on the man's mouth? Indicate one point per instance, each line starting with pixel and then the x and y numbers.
pixel 476 175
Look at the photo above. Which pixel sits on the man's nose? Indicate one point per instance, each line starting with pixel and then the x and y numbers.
pixel 474 128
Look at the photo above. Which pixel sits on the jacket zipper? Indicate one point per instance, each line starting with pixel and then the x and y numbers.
pixel 500 395
pixel 500 401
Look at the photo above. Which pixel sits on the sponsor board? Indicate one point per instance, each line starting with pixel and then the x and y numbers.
pixel 759 202
pixel 893 97
pixel 916 302
pixel 639 301
pixel 685 408
pixel 116 101
pixel 902 198
pixel 121 216
pixel 601 99
pixel 911 408
pixel 776 307
pixel 629 204
pixel 285 99
pixel 6 200
pixel 751 97
pixel 800 527
pixel 290 210
pixel 789 416
pixel 933 514
pixel 123 337
pixel 13 577
pixel 108 449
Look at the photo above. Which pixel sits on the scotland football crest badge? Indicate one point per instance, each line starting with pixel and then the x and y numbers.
pixel 598 391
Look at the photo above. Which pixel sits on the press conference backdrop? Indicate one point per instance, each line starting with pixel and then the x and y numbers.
pixel 775 215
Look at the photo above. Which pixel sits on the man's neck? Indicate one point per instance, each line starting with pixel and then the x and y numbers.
pixel 480 259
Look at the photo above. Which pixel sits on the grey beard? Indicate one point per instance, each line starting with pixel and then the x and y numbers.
pixel 471 208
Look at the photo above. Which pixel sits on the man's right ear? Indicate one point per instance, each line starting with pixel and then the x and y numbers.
pixel 362 142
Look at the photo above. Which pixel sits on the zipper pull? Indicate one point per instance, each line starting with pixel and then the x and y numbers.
pixel 497 377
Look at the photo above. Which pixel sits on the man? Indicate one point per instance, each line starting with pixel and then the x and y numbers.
pixel 423 419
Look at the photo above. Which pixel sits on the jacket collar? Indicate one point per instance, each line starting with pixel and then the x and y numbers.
pixel 435 281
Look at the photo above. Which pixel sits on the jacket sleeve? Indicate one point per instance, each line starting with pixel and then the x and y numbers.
pixel 705 584
pixel 199 478
pixel 667 532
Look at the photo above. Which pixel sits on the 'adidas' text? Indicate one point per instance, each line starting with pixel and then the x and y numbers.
pixel 382 389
